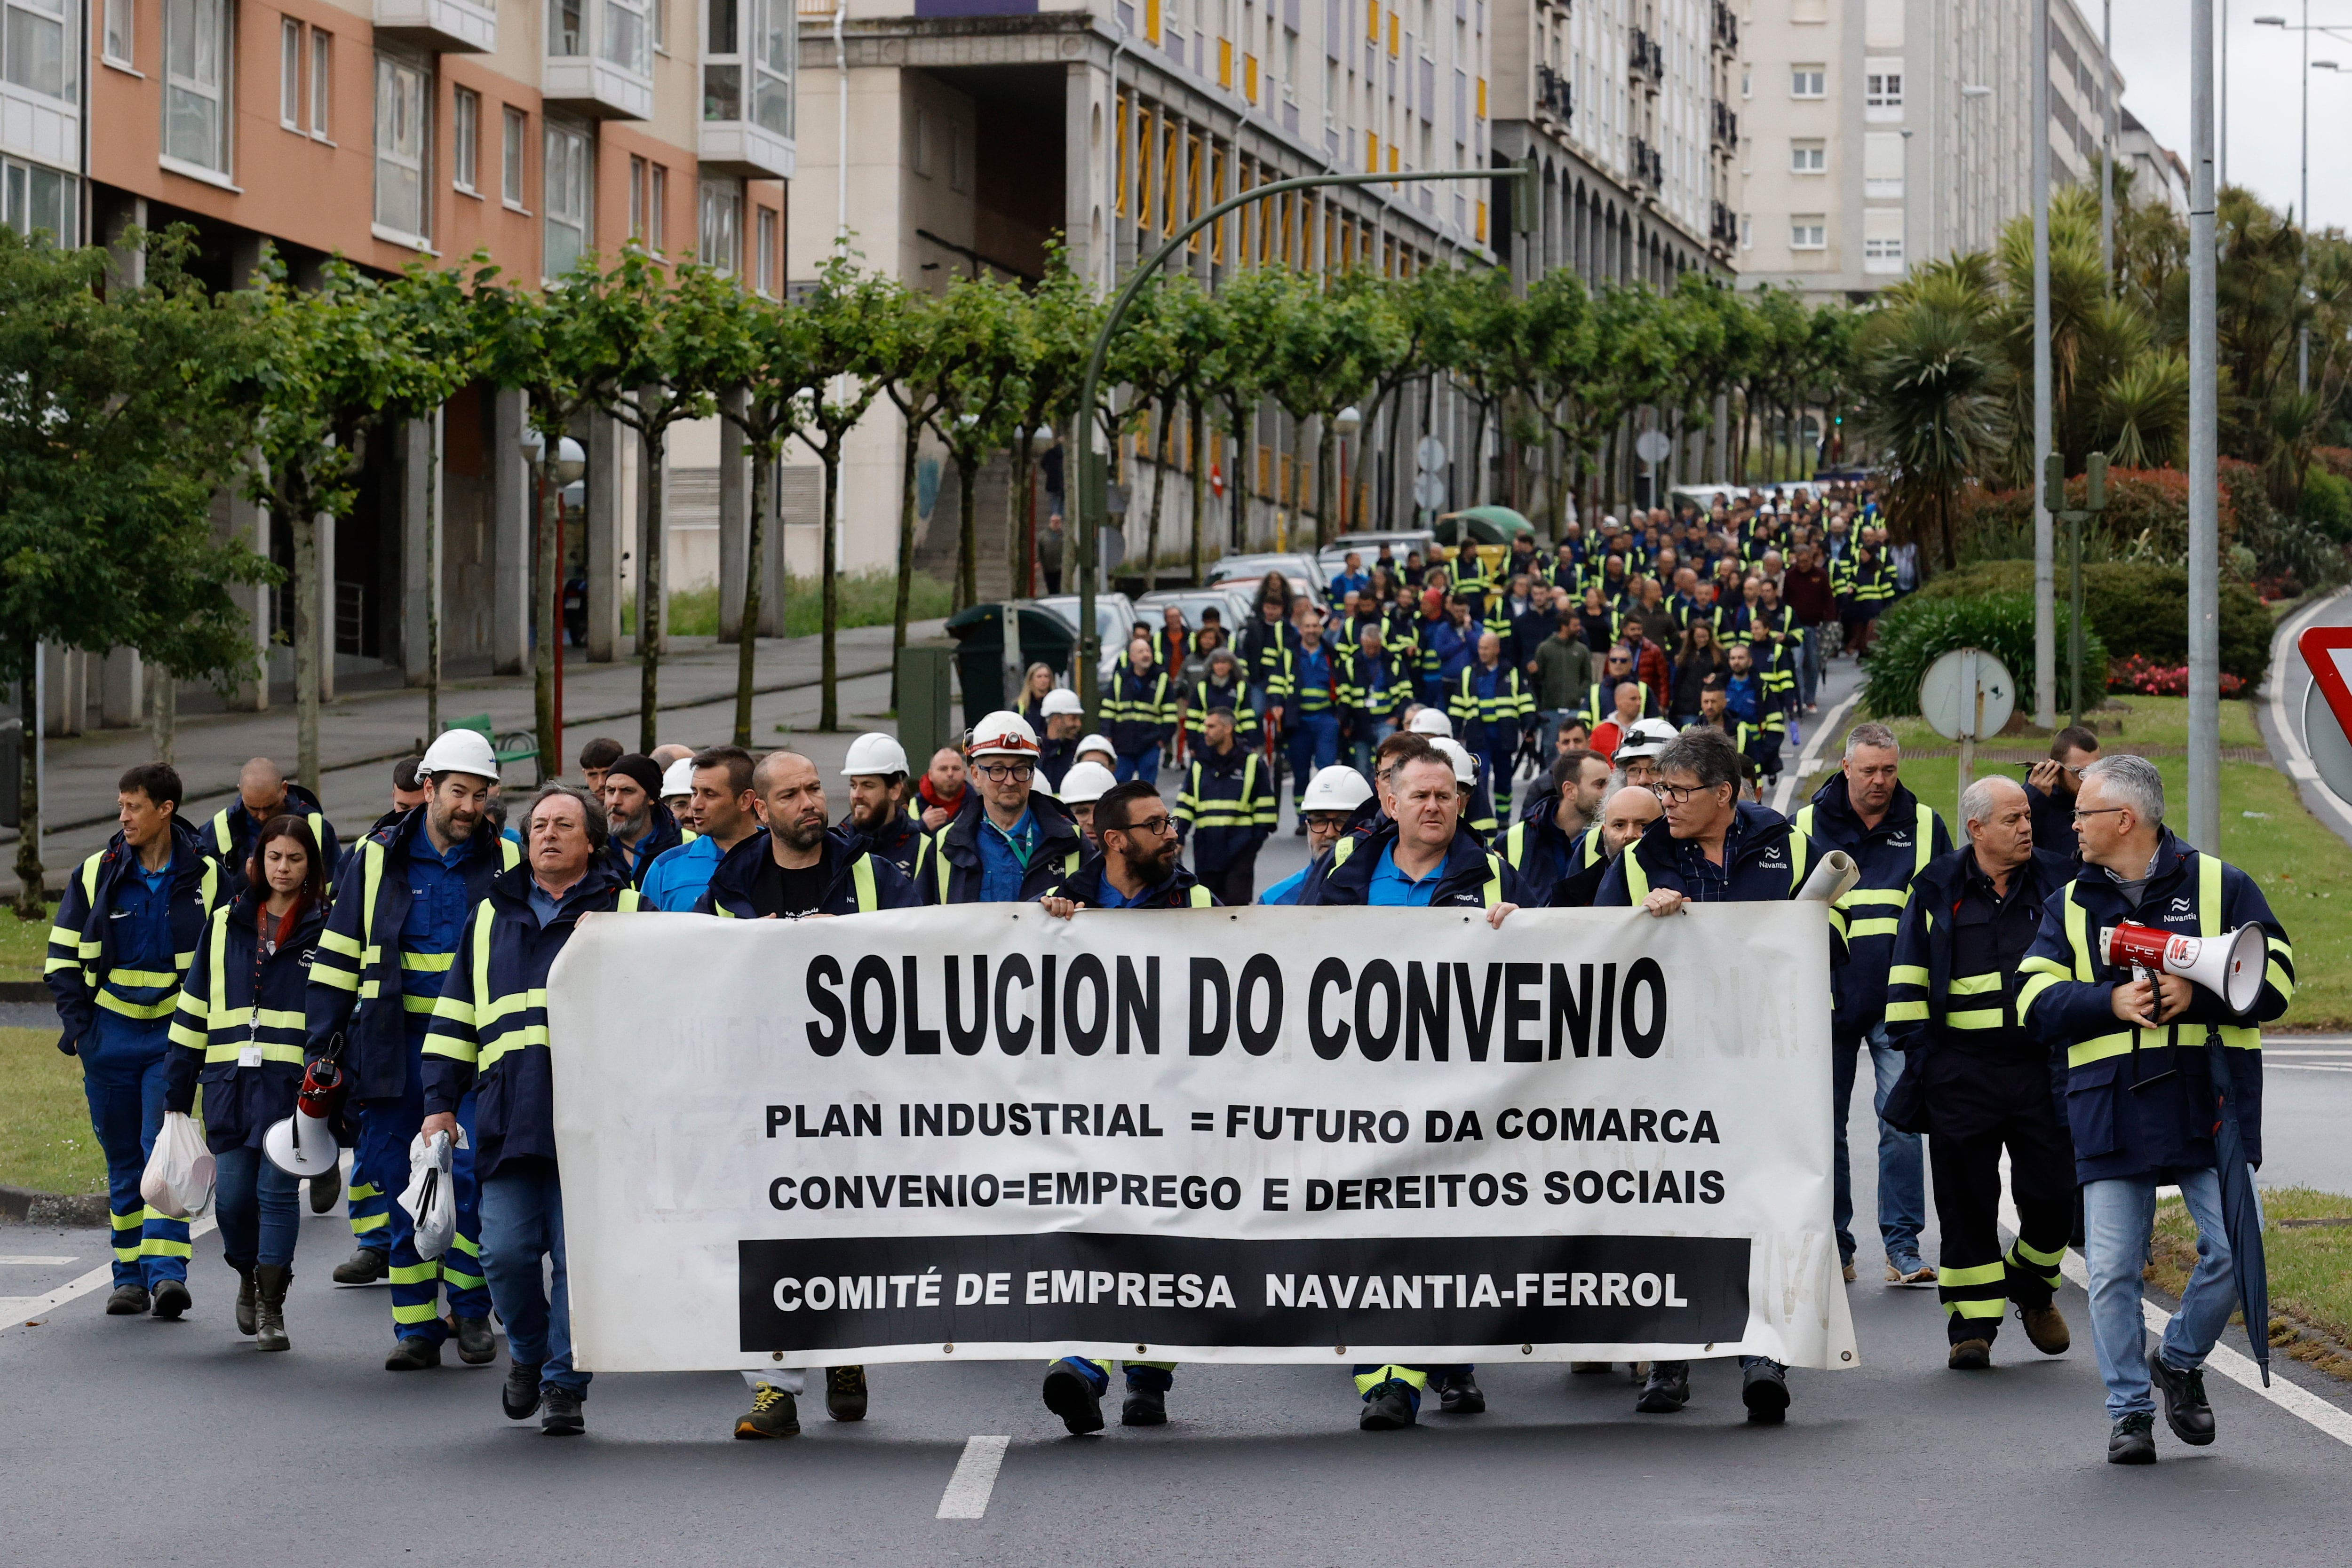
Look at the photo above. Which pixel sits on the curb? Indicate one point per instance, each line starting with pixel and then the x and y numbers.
pixel 30 1207
pixel 24 991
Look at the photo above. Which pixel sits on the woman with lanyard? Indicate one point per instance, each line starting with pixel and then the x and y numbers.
pixel 239 1031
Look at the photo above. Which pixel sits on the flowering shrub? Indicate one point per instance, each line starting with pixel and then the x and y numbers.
pixel 2144 676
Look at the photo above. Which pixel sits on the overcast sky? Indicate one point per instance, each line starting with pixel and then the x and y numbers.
pixel 2151 50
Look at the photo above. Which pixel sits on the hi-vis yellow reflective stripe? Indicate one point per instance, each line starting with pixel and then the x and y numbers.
pixel 861 877
pixel 1492 893
pixel 1197 896
pixel 1515 844
pixel 1637 875
pixel 1923 845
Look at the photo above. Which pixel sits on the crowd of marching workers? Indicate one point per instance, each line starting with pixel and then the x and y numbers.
pixel 1642 680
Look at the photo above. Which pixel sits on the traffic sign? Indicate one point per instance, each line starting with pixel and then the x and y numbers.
pixel 1651 445
pixel 1967 695
pixel 2327 704
pixel 1430 454
pixel 1429 491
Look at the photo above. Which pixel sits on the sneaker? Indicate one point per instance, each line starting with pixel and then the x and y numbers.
pixel 1666 1389
pixel 1971 1356
pixel 365 1266
pixel 326 1189
pixel 520 1394
pixel 2133 1442
pixel 415 1353
pixel 560 1414
pixel 1144 1408
pixel 844 1392
pixel 1849 1270
pixel 1462 1396
pixel 1387 1408
pixel 172 1298
pixel 128 1302
pixel 2045 1328
pixel 1070 1394
pixel 477 1346
pixel 1910 1271
pixel 1764 1389
pixel 773 1414
pixel 2185 1409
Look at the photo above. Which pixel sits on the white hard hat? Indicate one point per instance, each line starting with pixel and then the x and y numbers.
pixel 460 751
pixel 874 753
pixel 1465 767
pixel 1099 743
pixel 300 1144
pixel 1062 700
pixel 1086 783
pixel 1647 739
pixel 1004 735
pixel 1433 721
pixel 678 779
pixel 1336 789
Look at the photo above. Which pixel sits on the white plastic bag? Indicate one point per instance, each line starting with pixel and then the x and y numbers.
pixel 178 1181
pixel 431 1196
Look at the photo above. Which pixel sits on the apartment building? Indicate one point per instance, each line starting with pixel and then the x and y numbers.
pixel 393 131
pixel 41 69
pixel 1625 106
pixel 1874 132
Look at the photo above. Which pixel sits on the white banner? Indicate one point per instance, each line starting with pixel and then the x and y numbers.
pixel 1248 1135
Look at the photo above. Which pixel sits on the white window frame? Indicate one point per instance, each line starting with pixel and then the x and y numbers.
pixel 769 230
pixel 290 73
pixel 514 156
pixel 1809 231
pixel 404 87
pixel 465 141
pixel 322 85
pixel 718 225
pixel 614 41
pixel 658 209
pixel 1808 156
pixel 567 183
pixel 16 179
pixel 1882 87
pixel 219 92
pixel 119 36
pixel 640 177
pixel 764 60
pixel 587 40
pixel 1808 82
pixel 65 17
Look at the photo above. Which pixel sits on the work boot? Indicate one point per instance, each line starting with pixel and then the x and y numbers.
pixel 2185 1409
pixel 1667 1390
pixel 1144 1408
pixel 416 1354
pixel 844 1392
pixel 2045 1328
pixel 560 1414
pixel 477 1346
pixel 1971 1356
pixel 773 1414
pixel 1387 1408
pixel 127 1301
pixel 326 1188
pixel 518 1397
pixel 1071 1394
pixel 172 1298
pixel 245 1300
pixel 1849 1270
pixel 365 1266
pixel 270 1283
pixel 1764 1389
pixel 2133 1442
pixel 1462 1396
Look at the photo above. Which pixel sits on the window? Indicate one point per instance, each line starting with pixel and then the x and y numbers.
pixel 763 62
pixel 510 159
pixel 323 74
pixel 290 74
pixel 1881 85
pixel 661 26
pixel 118 38
pixel 1747 230
pixel 1807 81
pixel 656 227
pixel 195 83
pixel 722 229
pixel 466 139
pixel 564 177
pixel 628 36
pixel 1881 164
pixel 764 281
pixel 35 51
pixel 567 26
pixel 1808 157
pixel 403 98
pixel 33 200
pixel 1809 231
pixel 638 183
pixel 1882 239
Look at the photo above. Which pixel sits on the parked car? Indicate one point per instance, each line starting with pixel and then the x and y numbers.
pixel 1114 618
pixel 1402 542
pixel 1231 600
pixel 1305 576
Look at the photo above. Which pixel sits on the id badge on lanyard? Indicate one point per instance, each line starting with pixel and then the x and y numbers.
pixel 249 1053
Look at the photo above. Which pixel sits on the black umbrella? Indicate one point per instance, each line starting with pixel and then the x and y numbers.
pixel 2241 1211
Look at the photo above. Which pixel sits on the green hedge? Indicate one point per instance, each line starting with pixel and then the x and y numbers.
pixel 1920 629
pixel 2133 607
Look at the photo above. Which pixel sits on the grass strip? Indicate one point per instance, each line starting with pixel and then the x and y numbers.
pixel 2310 1271
pixel 45 1141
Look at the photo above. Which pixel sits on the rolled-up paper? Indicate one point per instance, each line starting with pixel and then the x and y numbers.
pixel 1834 875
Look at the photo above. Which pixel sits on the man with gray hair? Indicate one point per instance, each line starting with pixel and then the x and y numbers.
pixel 1976 1080
pixel 2154 1065
pixel 1864 811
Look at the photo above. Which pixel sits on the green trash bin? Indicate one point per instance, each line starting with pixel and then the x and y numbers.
pixel 978 633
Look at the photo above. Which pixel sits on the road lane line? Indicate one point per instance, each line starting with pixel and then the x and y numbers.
pixel 36 1260
pixel 1787 788
pixel 98 1279
pixel 974 1478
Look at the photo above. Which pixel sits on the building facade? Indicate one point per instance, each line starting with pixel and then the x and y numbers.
pixel 42 91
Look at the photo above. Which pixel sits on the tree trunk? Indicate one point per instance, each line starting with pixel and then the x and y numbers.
pixel 305 649
pixel 651 596
pixel 747 637
pixel 1326 480
pixel 905 552
pixel 1200 487
pixel 1609 473
pixel 1160 453
pixel 547 580
pixel 32 899
pixel 1477 486
pixel 432 423
pixel 163 718
pixel 967 536
pixel 829 672
pixel 1237 480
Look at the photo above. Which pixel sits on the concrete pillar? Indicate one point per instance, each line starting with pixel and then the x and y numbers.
pixel 603 529
pixel 251 523
pixel 128 262
pixel 1089 128
pixel 420 478
pixel 734 518
pixel 327 597
pixel 514 531
pixel 64 691
pixel 122 689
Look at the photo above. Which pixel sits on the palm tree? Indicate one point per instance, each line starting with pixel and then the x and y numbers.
pixel 1930 392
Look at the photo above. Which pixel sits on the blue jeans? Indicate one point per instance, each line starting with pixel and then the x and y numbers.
pixel 1902 1177
pixel 1313 743
pixel 260 1207
pixel 1548 721
pixel 2117 1218
pixel 122 1077
pixel 1143 765
pixel 1809 666
pixel 1368 740
pixel 522 1223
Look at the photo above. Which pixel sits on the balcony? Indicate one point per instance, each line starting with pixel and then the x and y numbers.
pixel 1554 96
pixel 1649 166
pixel 1726 29
pixel 749 72
pixel 1726 127
pixel 599 59
pixel 444 26
pixel 1645 61
pixel 1723 226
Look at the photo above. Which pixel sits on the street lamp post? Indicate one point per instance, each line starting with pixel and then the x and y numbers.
pixel 2045 615
pixel 1345 423
pixel 2204 450
pixel 1089 516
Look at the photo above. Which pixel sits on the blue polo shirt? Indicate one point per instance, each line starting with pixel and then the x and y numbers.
pixel 1393 888
pixel 1287 890
pixel 1004 857
pixel 680 873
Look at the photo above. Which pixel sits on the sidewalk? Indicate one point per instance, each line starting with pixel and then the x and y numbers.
pixel 361 735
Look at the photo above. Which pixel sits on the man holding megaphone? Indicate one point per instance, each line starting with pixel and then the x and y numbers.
pixel 2137 1013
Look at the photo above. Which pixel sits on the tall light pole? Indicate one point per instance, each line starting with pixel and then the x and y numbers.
pixel 2303 200
pixel 2204 452
pixel 2107 146
pixel 2045 563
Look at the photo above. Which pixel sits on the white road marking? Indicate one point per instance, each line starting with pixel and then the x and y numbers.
pixel 1787 788
pixel 974 1478
pixel 35 1260
pixel 22 1309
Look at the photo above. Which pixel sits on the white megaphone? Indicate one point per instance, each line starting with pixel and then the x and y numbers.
pixel 300 1144
pixel 2229 965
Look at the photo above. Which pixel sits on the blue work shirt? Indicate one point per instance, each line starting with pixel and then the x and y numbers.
pixel 680 873
pixel 141 922
pixel 1744 696
pixel 1287 890
pixel 436 916
pixel 1346 583
pixel 1393 888
pixel 1004 857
